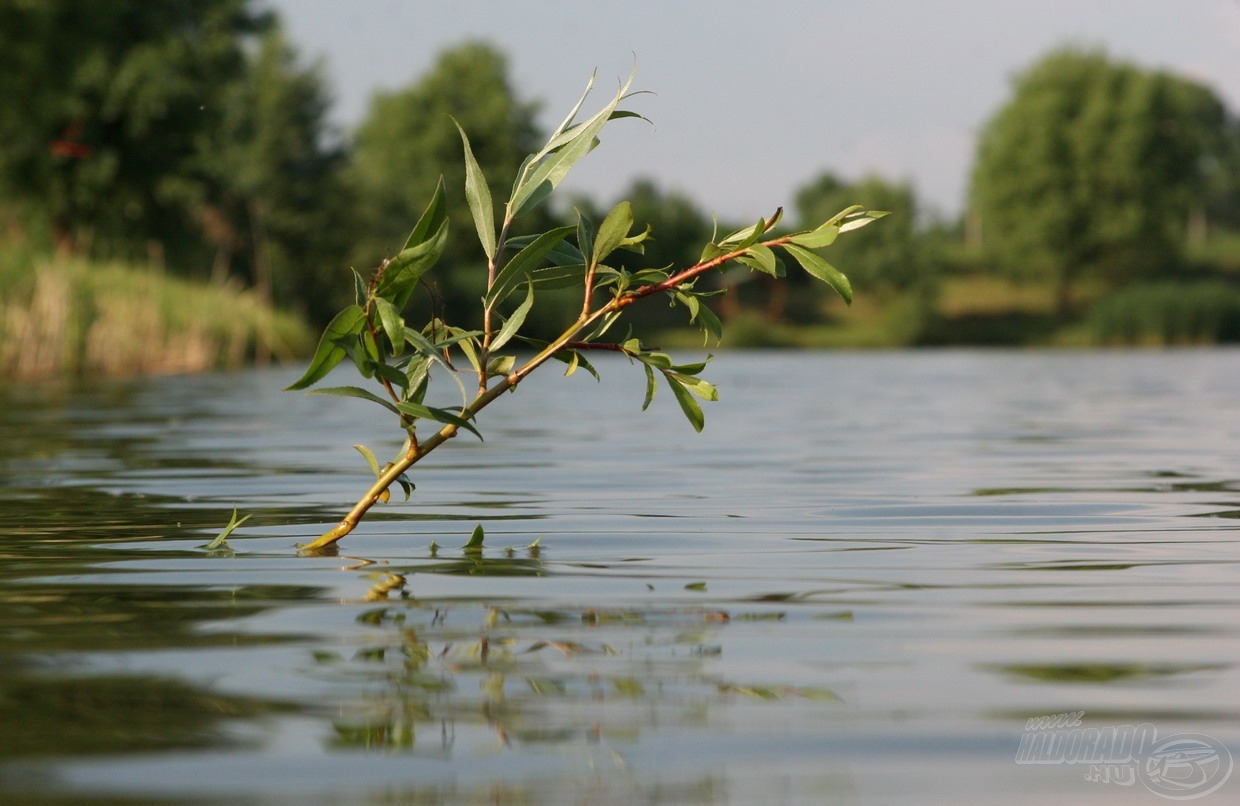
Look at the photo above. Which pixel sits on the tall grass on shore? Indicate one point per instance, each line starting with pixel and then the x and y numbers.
pixel 73 317
pixel 1203 312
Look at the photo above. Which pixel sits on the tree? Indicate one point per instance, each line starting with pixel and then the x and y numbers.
pixel 408 141
pixel 272 191
pixel 104 103
pixel 1092 167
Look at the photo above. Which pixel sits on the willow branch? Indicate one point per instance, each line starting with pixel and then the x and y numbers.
pixel 416 452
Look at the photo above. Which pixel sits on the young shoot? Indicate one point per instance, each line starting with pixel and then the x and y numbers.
pixel 479 357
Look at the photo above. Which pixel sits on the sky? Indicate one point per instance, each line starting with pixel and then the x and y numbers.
pixel 753 100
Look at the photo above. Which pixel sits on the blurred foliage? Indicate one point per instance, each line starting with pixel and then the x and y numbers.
pixel 1169 313
pixel 408 141
pixel 190 134
pixel 181 133
pixel 1094 166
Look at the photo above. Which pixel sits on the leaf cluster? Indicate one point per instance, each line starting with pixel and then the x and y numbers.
pixel 374 335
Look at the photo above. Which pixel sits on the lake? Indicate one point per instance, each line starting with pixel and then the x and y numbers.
pixel 858 585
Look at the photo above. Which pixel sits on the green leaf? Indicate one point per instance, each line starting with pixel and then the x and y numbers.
pixel 331 351
pixel 693 412
pixel 233 523
pixel 392 375
pixel 842 214
pixel 585 236
pixel 693 369
pixel 433 217
pixel 697 386
pixel 360 289
pixel 404 271
pixel 524 262
pixel 479 197
pixel 706 319
pixel 650 386
pixel 614 229
pixel 711 251
pixel 514 322
pixel 393 324
pixel 817 239
pixel 550 170
pixel 405 485
pixel 762 258
pixel 855 222
pixel 438 415
pixel 475 539
pixel 745 237
pixel 696 586
pixel 354 391
pixel 821 269
pixel 562 254
pixel 501 365
pixel 565 276
pixel 369 456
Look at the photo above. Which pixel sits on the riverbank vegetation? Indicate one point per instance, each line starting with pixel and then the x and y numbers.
pixel 71 317
pixel 191 136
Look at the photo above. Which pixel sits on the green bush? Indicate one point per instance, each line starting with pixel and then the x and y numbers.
pixel 1206 312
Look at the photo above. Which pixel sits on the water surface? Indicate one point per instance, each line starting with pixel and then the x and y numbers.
pixel 856 586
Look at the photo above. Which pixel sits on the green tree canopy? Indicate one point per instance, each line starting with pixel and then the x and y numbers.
pixel 408 141
pixel 104 102
pixel 1092 167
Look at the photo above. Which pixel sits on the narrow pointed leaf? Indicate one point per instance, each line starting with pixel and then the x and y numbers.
pixel 405 270
pixel 223 536
pixel 817 239
pixel 693 411
pixel 612 231
pixel 821 269
pixel 431 220
pixel 552 169
pixel 585 235
pixel 762 258
pixel 331 350
pixel 699 387
pixel 650 386
pixel 393 324
pixel 438 415
pixel 842 214
pixel 358 392
pixel 478 194
pixel 514 322
pixel 369 456
pixel 861 221
pixel 523 263
pixel 475 539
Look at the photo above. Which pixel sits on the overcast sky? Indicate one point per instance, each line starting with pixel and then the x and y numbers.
pixel 753 99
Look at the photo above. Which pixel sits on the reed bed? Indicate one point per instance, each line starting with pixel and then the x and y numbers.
pixel 72 317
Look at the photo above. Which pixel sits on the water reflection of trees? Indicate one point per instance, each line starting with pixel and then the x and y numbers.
pixel 440 674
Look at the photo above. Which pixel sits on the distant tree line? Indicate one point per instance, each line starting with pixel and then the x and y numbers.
pixel 190 133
